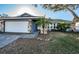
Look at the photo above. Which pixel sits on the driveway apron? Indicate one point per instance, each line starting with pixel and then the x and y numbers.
pixel 6 39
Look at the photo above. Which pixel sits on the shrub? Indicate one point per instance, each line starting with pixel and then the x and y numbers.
pixel 63 26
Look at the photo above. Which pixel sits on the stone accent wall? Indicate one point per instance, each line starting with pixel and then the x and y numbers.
pixel 1 26
pixel 30 25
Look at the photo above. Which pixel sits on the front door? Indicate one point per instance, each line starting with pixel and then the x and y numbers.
pixel 34 27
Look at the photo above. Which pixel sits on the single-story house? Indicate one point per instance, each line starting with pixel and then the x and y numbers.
pixel 19 24
pixel 54 23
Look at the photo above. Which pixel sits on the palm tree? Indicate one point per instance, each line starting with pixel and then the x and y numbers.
pixel 42 22
pixel 64 7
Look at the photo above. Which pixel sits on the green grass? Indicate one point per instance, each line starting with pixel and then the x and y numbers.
pixel 65 44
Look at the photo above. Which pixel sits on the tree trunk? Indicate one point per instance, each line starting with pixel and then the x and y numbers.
pixel 73 13
pixel 41 30
pixel 75 19
pixel 43 34
pixel 74 23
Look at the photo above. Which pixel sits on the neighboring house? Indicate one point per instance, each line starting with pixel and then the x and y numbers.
pixel 54 23
pixel 24 23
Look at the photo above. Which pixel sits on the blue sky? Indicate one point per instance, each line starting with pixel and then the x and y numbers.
pixel 4 8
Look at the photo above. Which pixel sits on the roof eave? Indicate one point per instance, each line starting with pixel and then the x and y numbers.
pixel 19 17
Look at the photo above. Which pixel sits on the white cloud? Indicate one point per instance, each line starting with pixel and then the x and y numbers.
pixel 25 9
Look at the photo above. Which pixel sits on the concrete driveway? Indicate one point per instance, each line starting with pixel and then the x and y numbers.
pixel 6 39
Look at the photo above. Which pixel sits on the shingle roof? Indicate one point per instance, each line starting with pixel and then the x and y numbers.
pixel 26 15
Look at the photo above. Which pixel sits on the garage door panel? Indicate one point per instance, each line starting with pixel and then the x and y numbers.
pixel 13 26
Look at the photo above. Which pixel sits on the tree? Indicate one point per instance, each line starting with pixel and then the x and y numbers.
pixel 43 23
pixel 65 7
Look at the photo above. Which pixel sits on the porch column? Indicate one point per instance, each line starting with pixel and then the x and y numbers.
pixel 1 25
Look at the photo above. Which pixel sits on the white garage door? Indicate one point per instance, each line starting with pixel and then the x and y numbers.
pixel 17 26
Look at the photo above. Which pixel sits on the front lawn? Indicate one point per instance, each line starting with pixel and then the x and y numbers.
pixel 59 43
pixel 64 44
